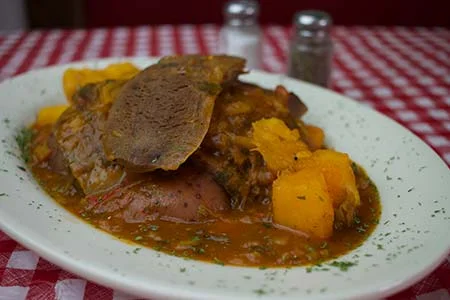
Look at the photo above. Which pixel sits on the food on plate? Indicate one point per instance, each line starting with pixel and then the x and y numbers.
pixel 162 114
pixel 185 158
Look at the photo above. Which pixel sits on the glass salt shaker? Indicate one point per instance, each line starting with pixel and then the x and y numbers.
pixel 241 34
pixel 311 47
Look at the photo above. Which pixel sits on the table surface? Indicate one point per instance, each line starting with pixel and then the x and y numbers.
pixel 401 72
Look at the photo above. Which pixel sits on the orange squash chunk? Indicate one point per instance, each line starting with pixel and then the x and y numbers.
pixel 74 79
pixel 340 180
pixel 315 138
pixel 300 201
pixel 280 147
pixel 50 114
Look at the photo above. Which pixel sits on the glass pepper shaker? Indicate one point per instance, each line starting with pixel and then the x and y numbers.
pixel 241 34
pixel 311 47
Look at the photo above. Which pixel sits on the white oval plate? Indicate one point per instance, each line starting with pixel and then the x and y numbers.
pixel 410 241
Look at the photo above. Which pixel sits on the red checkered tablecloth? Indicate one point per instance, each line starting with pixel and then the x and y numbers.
pixel 402 72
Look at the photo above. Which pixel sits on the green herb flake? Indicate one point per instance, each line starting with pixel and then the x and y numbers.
pixel 196 238
pixel 182 270
pixel 3 194
pixel 139 238
pixel 218 261
pixel 267 225
pixel 210 87
pixel 343 265
pixel 23 140
pixel 301 197
pixel 380 247
pixel 136 250
pixel 260 292
pixel 360 229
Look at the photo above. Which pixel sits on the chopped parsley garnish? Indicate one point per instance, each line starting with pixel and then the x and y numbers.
pixel 360 229
pixel 267 224
pixel 23 140
pixel 343 265
pixel 260 292
pixel 218 261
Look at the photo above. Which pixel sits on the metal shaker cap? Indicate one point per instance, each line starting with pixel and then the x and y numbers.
pixel 241 12
pixel 312 20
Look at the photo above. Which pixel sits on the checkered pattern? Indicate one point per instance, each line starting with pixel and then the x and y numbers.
pixel 402 72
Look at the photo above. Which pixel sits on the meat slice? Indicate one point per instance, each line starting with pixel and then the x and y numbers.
pixel 226 151
pixel 185 195
pixel 78 137
pixel 162 115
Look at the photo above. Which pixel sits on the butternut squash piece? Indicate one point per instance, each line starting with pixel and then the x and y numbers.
pixel 340 180
pixel 74 79
pixel 300 201
pixel 316 137
pixel 279 146
pixel 50 114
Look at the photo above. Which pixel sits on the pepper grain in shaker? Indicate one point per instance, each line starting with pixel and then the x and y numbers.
pixel 311 47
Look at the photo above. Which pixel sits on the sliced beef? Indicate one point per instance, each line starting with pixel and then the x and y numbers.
pixel 186 195
pixel 78 136
pixel 162 115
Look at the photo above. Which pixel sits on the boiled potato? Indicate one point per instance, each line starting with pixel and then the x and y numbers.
pixel 280 147
pixel 301 201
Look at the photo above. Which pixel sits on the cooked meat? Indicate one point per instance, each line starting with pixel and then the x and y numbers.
pixel 186 195
pixel 162 115
pixel 227 148
pixel 78 133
